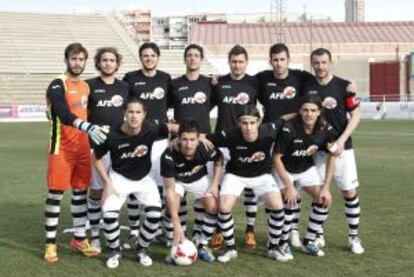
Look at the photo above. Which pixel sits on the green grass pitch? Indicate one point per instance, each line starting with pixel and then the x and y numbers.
pixel 385 157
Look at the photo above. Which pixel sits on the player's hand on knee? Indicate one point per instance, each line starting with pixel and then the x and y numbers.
pixel 291 195
pixel 325 198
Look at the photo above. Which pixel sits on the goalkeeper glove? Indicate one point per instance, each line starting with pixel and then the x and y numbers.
pixel 95 132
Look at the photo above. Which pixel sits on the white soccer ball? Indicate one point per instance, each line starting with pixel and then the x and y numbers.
pixel 184 253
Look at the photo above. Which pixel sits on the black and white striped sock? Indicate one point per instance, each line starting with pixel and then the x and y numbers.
pixel 317 218
pixel 250 206
pixel 226 224
pixel 111 230
pixel 275 222
pixel 133 215
pixel 352 213
pixel 199 214
pixel 94 216
pixel 52 212
pixel 149 229
pixel 79 209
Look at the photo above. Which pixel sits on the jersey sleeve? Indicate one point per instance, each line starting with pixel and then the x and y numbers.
pixel 101 150
pixel 162 129
pixel 277 125
pixel 59 106
pixel 213 155
pixel 283 140
pixel 167 165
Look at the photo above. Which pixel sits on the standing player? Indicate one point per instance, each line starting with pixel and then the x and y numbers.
pixel 280 92
pixel 231 94
pixel 184 170
pixel 69 158
pixel 152 86
pixel 293 162
pixel 342 112
pixel 130 147
pixel 250 166
pixel 106 103
pixel 191 100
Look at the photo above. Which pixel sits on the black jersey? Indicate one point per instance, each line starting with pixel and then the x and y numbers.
pixel 230 95
pixel 106 102
pixel 173 164
pixel 248 159
pixel 153 91
pixel 192 100
pixel 281 96
pixel 333 95
pixel 131 155
pixel 294 141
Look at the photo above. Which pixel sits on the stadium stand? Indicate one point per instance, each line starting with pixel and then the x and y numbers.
pixel 32 45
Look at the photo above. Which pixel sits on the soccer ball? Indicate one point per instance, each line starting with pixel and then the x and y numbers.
pixel 184 253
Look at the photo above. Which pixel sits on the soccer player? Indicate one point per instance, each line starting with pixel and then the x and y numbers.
pixel 106 104
pixel 250 166
pixel 152 86
pixel 129 147
pixel 184 170
pixel 280 92
pixel 191 93
pixel 233 92
pixel 293 162
pixel 69 157
pixel 191 100
pixel 342 113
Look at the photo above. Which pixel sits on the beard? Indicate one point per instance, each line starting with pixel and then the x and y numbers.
pixel 73 73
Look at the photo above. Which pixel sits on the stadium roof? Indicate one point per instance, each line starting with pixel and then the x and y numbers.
pixel 297 33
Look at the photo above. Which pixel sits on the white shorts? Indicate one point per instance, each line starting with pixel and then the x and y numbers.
pixel 198 188
pixel 234 185
pixel 96 182
pixel 309 178
pixel 145 190
pixel 345 173
pixel 157 149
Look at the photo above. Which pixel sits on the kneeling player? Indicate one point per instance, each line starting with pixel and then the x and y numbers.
pixel 185 170
pixel 130 147
pixel 293 162
pixel 250 167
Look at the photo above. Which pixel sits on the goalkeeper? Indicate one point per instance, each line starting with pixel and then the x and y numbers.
pixel 69 158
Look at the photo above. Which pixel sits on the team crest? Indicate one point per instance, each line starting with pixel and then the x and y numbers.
pixel 242 98
pixel 117 100
pixel 200 97
pixel 289 92
pixel 158 93
pixel 141 150
pixel 329 103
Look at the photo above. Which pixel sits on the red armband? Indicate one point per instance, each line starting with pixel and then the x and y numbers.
pixel 351 101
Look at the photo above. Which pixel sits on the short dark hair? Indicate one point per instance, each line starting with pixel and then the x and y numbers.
pixel 238 50
pixel 248 110
pixel 320 52
pixel 149 45
pixel 278 48
pixel 194 46
pixel 133 100
pixel 103 50
pixel 75 48
pixel 189 126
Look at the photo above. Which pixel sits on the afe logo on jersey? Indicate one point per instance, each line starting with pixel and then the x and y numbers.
pixel 289 92
pixel 300 153
pixel 192 172
pixel 141 151
pixel 255 158
pixel 329 103
pixel 117 100
pixel 158 93
pixel 242 98
pixel 200 97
